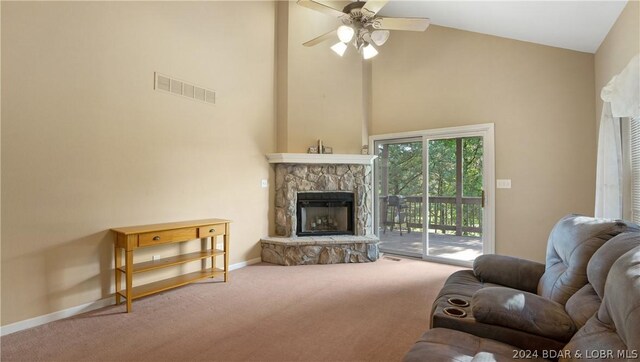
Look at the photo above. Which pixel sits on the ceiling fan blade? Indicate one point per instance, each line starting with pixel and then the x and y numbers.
pixel 320 39
pixel 413 24
pixel 321 7
pixel 375 5
pixel 336 4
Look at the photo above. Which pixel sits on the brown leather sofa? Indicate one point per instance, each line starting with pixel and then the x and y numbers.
pixel 526 304
pixel 612 331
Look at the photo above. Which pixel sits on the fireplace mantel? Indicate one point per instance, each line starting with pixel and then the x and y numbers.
pixel 310 158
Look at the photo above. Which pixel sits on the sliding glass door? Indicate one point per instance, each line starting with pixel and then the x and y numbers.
pixel 432 194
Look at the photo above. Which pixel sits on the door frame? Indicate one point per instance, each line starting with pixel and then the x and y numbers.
pixel 485 130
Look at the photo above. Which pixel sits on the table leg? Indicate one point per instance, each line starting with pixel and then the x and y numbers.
pixel 129 272
pixel 213 258
pixel 226 253
pixel 118 258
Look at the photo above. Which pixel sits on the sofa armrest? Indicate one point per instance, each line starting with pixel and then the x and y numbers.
pixel 508 271
pixel 523 311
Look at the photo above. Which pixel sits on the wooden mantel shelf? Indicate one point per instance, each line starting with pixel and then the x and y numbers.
pixel 320 158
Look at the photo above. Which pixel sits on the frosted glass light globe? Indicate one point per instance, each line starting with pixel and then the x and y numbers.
pixel 369 52
pixel 339 48
pixel 345 33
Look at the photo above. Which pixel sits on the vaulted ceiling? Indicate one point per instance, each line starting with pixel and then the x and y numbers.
pixel 575 25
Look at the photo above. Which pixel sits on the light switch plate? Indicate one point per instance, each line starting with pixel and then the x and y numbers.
pixel 264 183
pixel 503 184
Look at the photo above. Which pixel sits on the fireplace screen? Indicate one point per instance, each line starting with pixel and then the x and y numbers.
pixel 324 213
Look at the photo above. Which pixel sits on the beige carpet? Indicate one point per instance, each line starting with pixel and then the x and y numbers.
pixel 343 312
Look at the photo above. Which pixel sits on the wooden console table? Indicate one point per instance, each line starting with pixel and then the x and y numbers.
pixel 131 238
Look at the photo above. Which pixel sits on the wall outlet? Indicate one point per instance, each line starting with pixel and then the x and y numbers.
pixel 503 184
pixel 264 183
pixel 155 257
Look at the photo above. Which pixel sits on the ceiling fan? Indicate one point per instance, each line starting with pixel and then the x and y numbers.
pixel 360 25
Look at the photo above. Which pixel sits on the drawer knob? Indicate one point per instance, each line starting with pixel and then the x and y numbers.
pixel 212 230
pixel 156 238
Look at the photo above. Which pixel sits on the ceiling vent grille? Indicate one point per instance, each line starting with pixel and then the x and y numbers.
pixel 165 83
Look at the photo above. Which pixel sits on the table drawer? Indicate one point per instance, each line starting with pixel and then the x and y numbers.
pixel 167 236
pixel 211 230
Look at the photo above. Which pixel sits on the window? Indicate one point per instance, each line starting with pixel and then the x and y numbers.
pixel 634 145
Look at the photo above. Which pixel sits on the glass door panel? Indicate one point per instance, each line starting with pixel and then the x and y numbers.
pixel 455 198
pixel 399 201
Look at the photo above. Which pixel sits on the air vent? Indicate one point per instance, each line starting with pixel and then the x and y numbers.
pixel 210 97
pixel 163 83
pixel 178 87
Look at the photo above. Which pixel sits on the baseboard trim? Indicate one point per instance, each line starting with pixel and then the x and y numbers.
pixel 87 307
pixel 51 317
pixel 242 264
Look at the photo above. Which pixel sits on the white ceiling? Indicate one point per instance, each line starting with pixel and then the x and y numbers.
pixel 576 25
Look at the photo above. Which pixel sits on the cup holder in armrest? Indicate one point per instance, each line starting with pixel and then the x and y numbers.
pixel 458 302
pixel 454 312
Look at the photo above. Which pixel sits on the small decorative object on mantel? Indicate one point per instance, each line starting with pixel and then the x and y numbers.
pixel 320 149
pixel 365 149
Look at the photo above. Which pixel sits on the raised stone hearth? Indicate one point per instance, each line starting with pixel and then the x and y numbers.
pixel 320 250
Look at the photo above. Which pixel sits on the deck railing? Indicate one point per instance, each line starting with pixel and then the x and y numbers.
pixel 446 214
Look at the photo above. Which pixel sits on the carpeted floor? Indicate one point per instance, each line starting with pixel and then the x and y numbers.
pixel 342 312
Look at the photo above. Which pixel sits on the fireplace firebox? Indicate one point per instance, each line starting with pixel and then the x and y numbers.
pixel 324 213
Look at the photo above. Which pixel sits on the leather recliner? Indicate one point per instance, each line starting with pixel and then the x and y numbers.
pixel 524 303
pixel 611 332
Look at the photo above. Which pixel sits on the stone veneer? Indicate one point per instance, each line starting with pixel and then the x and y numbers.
pixel 291 178
pixel 320 250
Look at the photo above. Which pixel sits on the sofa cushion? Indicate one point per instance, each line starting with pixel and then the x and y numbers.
pixel 514 337
pixel 441 344
pixel 508 271
pixel 463 283
pixel 602 260
pixel 583 305
pixel 572 242
pixel 523 311
pixel 616 327
pixel 586 302
pixel 593 336
pixel 621 304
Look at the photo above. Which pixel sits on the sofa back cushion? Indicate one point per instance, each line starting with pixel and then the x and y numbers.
pixel 586 301
pixel 582 305
pixel 602 260
pixel 572 242
pixel 616 327
pixel 621 304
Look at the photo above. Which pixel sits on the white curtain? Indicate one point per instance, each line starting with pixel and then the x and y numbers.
pixel 621 98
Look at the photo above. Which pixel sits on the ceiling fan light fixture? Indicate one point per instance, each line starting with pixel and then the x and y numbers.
pixel 369 52
pixel 380 37
pixel 345 33
pixel 339 48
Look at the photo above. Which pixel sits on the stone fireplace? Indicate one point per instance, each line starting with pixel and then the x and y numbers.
pixel 337 202
pixel 294 178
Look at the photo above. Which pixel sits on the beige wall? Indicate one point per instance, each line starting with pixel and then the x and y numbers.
pixel 617 49
pixel 324 93
pixel 539 98
pixel 87 144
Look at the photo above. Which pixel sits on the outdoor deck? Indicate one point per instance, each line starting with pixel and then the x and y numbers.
pixel 464 248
